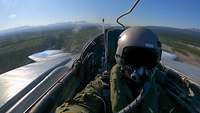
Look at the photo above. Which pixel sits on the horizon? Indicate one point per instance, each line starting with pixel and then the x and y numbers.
pixel 19 13
pixel 75 22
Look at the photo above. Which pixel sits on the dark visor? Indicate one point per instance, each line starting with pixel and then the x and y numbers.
pixel 137 56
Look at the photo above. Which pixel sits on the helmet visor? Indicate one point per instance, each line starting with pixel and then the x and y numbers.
pixel 137 57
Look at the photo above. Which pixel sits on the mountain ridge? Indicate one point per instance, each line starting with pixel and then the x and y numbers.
pixel 83 24
pixel 31 29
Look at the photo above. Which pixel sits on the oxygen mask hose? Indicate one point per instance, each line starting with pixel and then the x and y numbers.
pixel 128 12
pixel 132 107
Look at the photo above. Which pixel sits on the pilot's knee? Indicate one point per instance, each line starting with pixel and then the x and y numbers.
pixel 65 108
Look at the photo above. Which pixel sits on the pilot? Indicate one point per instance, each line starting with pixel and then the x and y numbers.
pixel 134 82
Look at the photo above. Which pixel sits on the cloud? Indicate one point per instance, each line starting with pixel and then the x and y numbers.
pixel 12 16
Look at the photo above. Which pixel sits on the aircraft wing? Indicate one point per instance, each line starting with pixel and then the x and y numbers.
pixel 16 85
pixel 190 71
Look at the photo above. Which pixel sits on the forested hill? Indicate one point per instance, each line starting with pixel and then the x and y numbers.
pixel 17 44
pixel 185 43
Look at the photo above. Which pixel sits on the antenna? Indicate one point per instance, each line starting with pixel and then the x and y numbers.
pixel 105 46
pixel 126 13
pixel 103 26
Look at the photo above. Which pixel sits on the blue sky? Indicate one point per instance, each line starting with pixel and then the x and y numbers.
pixel 174 13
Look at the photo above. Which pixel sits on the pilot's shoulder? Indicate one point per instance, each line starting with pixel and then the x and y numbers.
pixel 160 75
pixel 115 69
pixel 115 72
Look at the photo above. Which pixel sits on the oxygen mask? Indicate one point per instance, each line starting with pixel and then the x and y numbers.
pixel 139 74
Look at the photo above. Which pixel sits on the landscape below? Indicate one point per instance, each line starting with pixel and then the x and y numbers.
pixel 17 44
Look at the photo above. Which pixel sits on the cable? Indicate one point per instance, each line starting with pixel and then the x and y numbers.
pixel 129 11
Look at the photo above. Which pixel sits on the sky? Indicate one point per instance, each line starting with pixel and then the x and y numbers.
pixel 171 13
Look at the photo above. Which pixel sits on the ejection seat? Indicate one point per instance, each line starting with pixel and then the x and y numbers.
pixel 112 35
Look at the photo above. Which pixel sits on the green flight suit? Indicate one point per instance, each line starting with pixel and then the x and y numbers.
pixel 119 90
pixel 88 100
pixel 91 99
pixel 156 100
